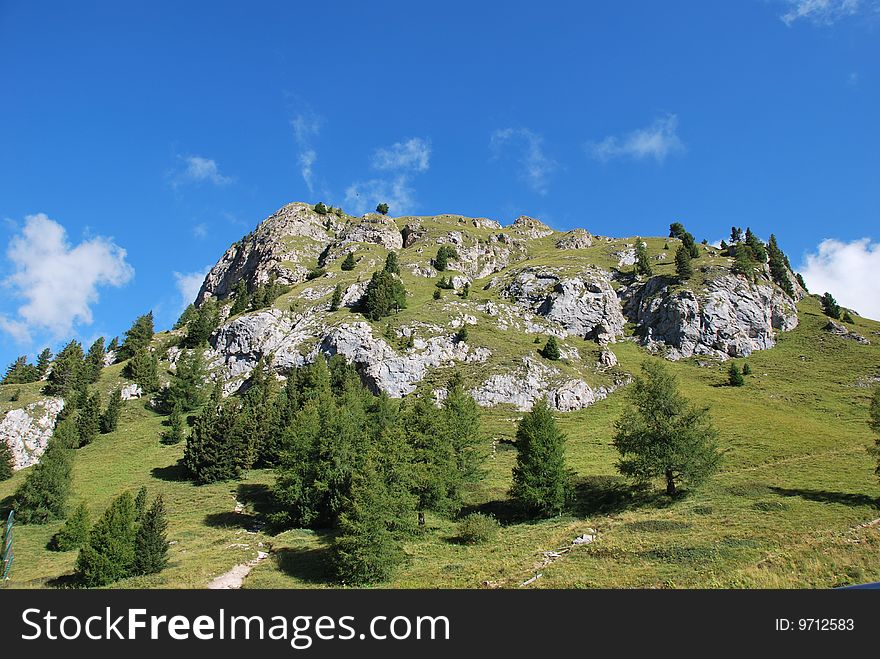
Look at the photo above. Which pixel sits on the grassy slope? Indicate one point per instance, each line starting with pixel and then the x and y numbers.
pixel 784 511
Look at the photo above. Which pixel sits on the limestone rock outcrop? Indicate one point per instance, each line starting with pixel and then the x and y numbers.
pixel 26 431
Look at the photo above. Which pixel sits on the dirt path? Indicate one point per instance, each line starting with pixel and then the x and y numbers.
pixel 235 577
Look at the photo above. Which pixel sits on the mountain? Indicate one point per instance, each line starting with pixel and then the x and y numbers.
pixel 794 503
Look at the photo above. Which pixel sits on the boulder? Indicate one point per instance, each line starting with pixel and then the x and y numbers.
pixel 842 331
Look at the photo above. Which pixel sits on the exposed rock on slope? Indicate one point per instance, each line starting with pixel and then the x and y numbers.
pixel 575 239
pixel 840 330
pixel 26 431
pixel 731 317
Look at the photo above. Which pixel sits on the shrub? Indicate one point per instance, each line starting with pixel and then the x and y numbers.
pixel 348 263
pixel 461 336
pixel 734 376
pixel 314 273
pixel 551 349
pixel 847 318
pixel 830 306
pixel 321 209
pixel 382 208
pixel 477 528
pixel 437 294
pixel 336 300
pixel 747 370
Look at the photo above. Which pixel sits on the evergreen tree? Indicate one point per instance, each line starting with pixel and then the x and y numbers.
pixel 151 544
pixel 830 306
pixel 75 532
pixel 7 461
pixel 688 242
pixel 778 267
pixel 348 263
pixel 461 426
pixel 110 417
pixel 336 299
pixel 43 361
pixel 661 435
pixel 140 504
pixel 434 471
pixel 383 296
pixel 186 317
pixel 43 494
pixel 392 265
pixel 137 337
pixel 143 370
pixel 747 370
pixel 847 317
pixel 541 483
pixel 461 336
pixel 94 361
pixel 187 383
pixel 744 263
pixel 466 290
pixel 800 281
pixel 643 264
pixel 110 552
pixel 759 252
pixel 683 267
pixel 551 349
pixel 88 418
pixel 735 376
pixel 874 424
pixel 382 208
pixel 114 345
pixel 21 372
pixel 204 322
pixel 676 230
pixel 444 254
pixel 258 420
pixel 736 235
pixel 67 371
pixel 212 449
pixel 242 298
pixel 437 295
pixel 176 432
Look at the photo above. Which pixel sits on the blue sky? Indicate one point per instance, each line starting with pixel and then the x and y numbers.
pixel 138 140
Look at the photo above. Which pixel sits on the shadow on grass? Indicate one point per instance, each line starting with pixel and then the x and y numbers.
pixel 824 496
pixel 607 495
pixel 174 473
pixel 65 581
pixel 6 505
pixel 233 520
pixel 308 564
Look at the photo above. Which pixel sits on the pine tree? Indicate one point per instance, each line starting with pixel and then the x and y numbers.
pixel 830 306
pixel 551 349
pixel 176 432
pixel 643 264
pixel 382 208
pixel 437 294
pixel 187 383
pixel 392 265
pixel 151 544
pixel 736 235
pixel 441 261
pixel 88 418
pixel 747 370
pixel 140 504
pixel 336 299
pixel 143 370
pixel 759 252
pixel 744 262
pixel 778 267
pixel 67 371
pixel 21 372
pixel 212 449
pixel 683 267
pixel 461 336
pixel 461 425
pixel 735 376
pixel 847 317
pixel 94 361
pixel 242 298
pixel 541 483
pixel 43 361
pixel 110 417
pixel 874 424
pixel 137 337
pixel 75 532
pixel 661 435
pixel 383 296
pixel 348 263
pixel 43 494
pixel 186 316
pixel 114 345
pixel 7 461
pixel 434 470
pixel 676 230
pixel 206 319
pixel 110 552
pixel 365 550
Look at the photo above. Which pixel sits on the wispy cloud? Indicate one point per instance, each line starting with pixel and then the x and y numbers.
pixel 200 230
pixel 58 282
pixel 197 169
pixel 306 127
pixel 848 271
pixel 657 141
pixel 535 166
pixel 402 161
pixel 824 12
pixel 188 285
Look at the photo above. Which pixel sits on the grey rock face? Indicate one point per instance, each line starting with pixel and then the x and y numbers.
pixel 372 228
pixel 130 392
pixel 529 227
pixel 585 305
pixel 731 317
pixel 26 431
pixel 575 239
pixel 283 245
pixel 841 330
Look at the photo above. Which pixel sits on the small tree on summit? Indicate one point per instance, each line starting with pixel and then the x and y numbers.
pixel 382 208
pixel 676 230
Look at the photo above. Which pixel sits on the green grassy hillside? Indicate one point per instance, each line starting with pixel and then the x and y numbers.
pixel 791 506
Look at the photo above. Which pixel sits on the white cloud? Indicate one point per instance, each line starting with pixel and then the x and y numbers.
pixel 848 271
pixel 306 126
pixel 364 196
pixel 59 283
pixel 188 285
pixel 413 154
pixel 402 160
pixel 535 166
pixel 199 170
pixel 821 12
pixel 200 230
pixel 657 141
